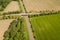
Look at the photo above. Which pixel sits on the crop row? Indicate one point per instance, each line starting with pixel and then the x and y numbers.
pixel 45 13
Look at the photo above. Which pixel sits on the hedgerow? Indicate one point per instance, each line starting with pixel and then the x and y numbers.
pixel 17 31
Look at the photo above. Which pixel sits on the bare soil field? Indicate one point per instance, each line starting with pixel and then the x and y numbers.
pixel 40 5
pixel 4 24
pixel 12 6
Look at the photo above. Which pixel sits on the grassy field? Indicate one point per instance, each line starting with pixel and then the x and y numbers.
pixel 40 5
pixel 46 27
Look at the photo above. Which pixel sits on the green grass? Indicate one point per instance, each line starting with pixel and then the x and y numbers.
pixel 25 29
pixel 46 27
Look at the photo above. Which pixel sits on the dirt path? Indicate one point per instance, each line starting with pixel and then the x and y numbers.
pixel 29 28
pixel 4 24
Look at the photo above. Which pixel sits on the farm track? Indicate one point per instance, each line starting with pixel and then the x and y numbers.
pixel 23 14
pixel 29 28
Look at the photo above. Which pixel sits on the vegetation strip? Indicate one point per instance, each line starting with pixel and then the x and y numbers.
pixel 17 31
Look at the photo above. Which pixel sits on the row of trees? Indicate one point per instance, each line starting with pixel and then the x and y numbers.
pixel 7 13
pixel 9 17
pixel 24 6
pixel 45 13
pixel 16 31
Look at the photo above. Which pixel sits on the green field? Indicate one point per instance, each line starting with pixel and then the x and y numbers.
pixel 46 27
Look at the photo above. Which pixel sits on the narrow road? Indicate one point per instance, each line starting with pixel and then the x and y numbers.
pixel 23 14
pixel 29 28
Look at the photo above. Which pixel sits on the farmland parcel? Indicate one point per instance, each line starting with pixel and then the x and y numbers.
pixel 46 27
pixel 12 7
pixel 40 5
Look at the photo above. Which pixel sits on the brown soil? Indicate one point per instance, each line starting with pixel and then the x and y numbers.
pixel 4 24
pixel 40 5
pixel 12 6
